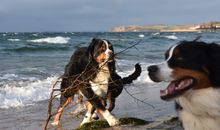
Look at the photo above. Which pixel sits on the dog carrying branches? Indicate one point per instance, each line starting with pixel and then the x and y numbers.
pixel 91 72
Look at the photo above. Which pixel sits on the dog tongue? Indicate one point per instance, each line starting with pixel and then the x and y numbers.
pixel 175 87
pixel 169 90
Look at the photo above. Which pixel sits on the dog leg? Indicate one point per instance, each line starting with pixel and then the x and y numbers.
pixel 80 106
pixel 90 110
pixel 111 104
pixel 95 114
pixel 79 99
pixel 112 121
pixel 60 111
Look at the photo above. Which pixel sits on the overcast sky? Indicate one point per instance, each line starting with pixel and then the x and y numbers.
pixel 101 15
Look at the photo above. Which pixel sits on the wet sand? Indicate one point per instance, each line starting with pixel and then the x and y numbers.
pixel 33 117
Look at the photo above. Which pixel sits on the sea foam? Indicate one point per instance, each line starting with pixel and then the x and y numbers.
pixel 54 40
pixel 22 93
pixel 141 35
pixel 157 33
pixel 14 40
pixel 172 37
pixel 142 79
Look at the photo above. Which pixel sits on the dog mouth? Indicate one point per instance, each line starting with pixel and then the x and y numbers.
pixel 111 58
pixel 177 87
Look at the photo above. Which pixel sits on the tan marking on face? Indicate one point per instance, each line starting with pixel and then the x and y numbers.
pixel 101 58
pixel 202 81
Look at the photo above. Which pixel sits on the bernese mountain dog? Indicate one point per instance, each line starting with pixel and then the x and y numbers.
pixel 193 70
pixel 91 72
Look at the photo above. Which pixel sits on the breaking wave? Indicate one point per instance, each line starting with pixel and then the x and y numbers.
pixel 22 92
pixel 14 40
pixel 54 40
pixel 172 37
pixel 141 35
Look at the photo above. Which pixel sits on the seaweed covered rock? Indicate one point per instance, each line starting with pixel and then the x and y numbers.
pixel 101 124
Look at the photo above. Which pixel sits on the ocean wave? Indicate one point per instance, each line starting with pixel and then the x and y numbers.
pixel 141 35
pixel 157 33
pixel 14 40
pixel 22 93
pixel 8 77
pixel 12 78
pixel 172 37
pixel 35 34
pixel 143 79
pixel 36 49
pixel 54 40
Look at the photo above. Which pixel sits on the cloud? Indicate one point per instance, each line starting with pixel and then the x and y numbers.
pixel 101 15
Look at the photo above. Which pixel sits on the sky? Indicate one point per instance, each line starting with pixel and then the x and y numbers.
pixel 101 15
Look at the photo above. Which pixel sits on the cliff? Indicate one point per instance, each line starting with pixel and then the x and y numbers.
pixel 168 28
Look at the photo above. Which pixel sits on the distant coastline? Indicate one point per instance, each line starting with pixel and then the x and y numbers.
pixel 208 26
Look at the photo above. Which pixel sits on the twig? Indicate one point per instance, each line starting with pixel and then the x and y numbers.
pixel 50 105
pixel 138 42
pixel 139 99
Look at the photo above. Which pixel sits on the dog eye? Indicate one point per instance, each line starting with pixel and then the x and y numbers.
pixel 103 48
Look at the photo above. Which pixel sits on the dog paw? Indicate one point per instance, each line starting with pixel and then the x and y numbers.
pixel 113 122
pixel 95 116
pixel 86 120
pixel 55 123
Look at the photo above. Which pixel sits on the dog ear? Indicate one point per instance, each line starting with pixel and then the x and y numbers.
pixel 214 63
pixel 90 49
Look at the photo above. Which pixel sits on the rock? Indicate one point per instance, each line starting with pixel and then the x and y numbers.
pixel 101 124
pixel 131 123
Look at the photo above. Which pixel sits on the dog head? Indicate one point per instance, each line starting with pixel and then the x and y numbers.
pixel 188 66
pixel 101 51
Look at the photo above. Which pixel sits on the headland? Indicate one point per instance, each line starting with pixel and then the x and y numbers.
pixel 208 26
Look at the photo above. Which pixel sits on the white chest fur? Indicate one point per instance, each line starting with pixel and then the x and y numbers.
pixel 100 84
pixel 201 109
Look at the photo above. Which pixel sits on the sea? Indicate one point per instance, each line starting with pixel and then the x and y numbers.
pixel 30 63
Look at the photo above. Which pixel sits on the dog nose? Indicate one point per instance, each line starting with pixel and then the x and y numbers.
pixel 110 53
pixel 152 68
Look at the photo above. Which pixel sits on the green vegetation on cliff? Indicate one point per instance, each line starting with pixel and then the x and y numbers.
pixel 168 28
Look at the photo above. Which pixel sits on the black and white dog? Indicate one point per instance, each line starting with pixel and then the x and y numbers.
pixel 193 70
pixel 91 72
